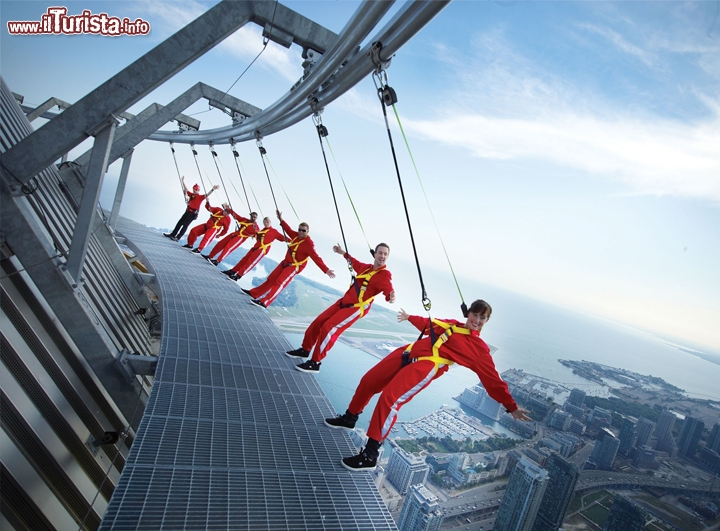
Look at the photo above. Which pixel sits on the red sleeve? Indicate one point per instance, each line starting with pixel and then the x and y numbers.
pixel 274 235
pixel 240 218
pixel 495 386
pixel 288 230
pixel 357 265
pixel 209 208
pixel 421 323
pixel 387 287
pixel 312 253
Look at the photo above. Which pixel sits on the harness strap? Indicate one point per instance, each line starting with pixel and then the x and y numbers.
pixel 260 238
pixel 243 225
pixel 366 275
pixel 218 218
pixel 293 247
pixel 450 329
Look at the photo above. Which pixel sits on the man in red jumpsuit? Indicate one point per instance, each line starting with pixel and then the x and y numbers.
pixel 263 241
pixel 217 225
pixel 324 331
pixel 300 249
pixel 247 228
pixel 195 199
pixel 410 369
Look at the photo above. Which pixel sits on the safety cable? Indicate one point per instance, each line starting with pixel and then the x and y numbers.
pixel 387 97
pixel 197 165
pixel 323 133
pixel 266 40
pixel 227 196
pixel 265 157
pixel 236 155
pixel 357 216
pixel 442 243
pixel 239 166
pixel 184 191
pixel 263 152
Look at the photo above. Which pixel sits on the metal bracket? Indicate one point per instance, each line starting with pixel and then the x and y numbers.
pixel 93 444
pixel 380 63
pixel 132 365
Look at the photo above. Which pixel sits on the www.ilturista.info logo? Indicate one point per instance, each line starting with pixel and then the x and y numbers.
pixel 56 21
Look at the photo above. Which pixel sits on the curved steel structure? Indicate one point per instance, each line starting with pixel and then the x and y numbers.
pixel 340 69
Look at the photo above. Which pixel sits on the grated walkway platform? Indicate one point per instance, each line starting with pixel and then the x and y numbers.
pixel 233 436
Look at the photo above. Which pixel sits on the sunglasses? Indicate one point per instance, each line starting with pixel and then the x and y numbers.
pixel 302 230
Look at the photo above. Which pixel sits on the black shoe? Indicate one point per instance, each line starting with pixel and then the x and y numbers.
pixel 168 235
pixel 214 262
pixel 258 302
pixel 246 291
pixel 187 246
pixel 196 251
pixel 297 353
pixel 309 366
pixel 206 257
pixel 173 238
pixel 346 420
pixel 228 272
pixel 360 461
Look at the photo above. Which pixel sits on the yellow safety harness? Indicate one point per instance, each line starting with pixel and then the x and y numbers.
pixel 450 329
pixel 261 240
pixel 244 225
pixel 293 247
pixel 365 276
pixel 218 219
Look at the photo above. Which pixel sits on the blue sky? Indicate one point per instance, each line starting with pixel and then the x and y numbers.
pixel 570 150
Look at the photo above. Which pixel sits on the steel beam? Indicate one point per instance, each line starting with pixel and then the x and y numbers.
pixel 367 16
pixel 155 116
pixel 120 190
pixel 88 204
pixel 49 104
pixel 44 146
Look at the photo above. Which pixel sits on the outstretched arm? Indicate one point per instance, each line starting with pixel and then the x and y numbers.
pixel 212 190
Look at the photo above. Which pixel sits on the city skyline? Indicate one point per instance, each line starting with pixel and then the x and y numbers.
pixel 597 186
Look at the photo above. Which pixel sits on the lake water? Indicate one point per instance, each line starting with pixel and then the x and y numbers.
pixel 532 336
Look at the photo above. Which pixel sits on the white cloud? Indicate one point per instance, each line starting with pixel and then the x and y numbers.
pixel 244 44
pixel 506 107
pixel 622 44
pixel 655 158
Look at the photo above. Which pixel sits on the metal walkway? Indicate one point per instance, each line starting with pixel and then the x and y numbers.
pixel 232 436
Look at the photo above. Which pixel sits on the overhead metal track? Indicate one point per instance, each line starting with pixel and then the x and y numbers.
pixel 328 80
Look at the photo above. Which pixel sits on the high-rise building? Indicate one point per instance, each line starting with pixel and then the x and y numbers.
pixel 405 469
pixel 478 399
pixel 689 436
pixel 574 410
pixel 663 431
pixel 523 495
pixel 709 460
pixel 628 431
pixel 562 477
pixel 577 397
pixel 645 458
pixel 713 442
pixel 625 516
pixel 605 451
pixel 456 465
pixel 421 511
pixel 644 430
pixel 560 420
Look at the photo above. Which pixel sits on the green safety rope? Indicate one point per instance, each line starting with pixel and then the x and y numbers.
pixel 407 144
